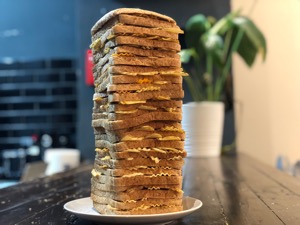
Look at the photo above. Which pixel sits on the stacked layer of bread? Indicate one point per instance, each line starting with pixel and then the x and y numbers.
pixel 137 114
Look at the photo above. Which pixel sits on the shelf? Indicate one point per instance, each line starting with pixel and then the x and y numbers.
pixel 37 85
pixel 40 112
pixel 35 98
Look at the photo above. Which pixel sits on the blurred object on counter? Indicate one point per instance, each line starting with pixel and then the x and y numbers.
pixel 283 164
pixel 7 183
pixel 296 169
pixel 61 159
pixel 33 170
pixel 89 77
pixel 13 162
pixel 33 152
pixel 63 141
pixel 46 142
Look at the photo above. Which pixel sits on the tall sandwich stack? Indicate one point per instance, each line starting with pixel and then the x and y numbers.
pixel 137 114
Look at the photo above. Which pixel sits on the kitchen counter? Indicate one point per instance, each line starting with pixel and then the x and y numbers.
pixel 234 190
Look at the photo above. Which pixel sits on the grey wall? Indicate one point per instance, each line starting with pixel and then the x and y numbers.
pixel 89 11
pixel 35 29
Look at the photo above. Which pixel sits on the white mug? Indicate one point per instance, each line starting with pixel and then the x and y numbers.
pixel 61 159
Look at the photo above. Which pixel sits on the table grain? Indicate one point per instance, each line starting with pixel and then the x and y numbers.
pixel 234 190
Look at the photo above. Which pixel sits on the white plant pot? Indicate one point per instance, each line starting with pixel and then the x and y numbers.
pixel 203 124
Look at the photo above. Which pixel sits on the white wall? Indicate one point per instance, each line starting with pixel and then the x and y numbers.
pixel 268 95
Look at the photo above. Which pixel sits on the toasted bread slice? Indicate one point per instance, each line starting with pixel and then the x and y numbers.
pixel 140 170
pixel 101 37
pixel 134 178
pixel 136 17
pixel 149 105
pixel 107 70
pixel 129 138
pixel 121 59
pixel 148 143
pixel 150 126
pixel 163 95
pixel 145 21
pixel 102 83
pixel 137 194
pixel 139 153
pixel 106 79
pixel 126 50
pixel 175 163
pixel 144 61
pixel 136 187
pixel 139 88
pixel 128 114
pixel 139 120
pixel 157 209
pixel 146 71
pixel 155 79
pixel 141 135
pixel 101 105
pixel 136 71
pixel 144 43
pixel 128 30
pixel 121 112
pixel 133 204
pixel 102 79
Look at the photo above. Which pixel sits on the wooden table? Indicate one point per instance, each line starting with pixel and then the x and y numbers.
pixel 234 190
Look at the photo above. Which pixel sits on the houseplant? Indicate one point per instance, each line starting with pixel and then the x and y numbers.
pixel 210 48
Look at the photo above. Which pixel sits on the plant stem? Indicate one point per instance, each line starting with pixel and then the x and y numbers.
pixel 197 81
pixel 224 74
pixel 196 95
pixel 227 45
pixel 217 28
pixel 208 77
pixel 219 78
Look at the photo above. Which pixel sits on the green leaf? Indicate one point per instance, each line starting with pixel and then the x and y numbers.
pixel 186 54
pixel 212 42
pixel 195 27
pixel 224 24
pixel 247 50
pixel 214 46
pixel 253 34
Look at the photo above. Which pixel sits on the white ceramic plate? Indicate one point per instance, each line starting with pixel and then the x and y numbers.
pixel 83 208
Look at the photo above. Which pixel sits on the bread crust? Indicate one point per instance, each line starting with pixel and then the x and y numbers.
pixel 139 120
pixel 134 188
pixel 150 162
pixel 146 71
pixel 141 180
pixel 134 50
pixel 133 204
pixel 145 96
pixel 147 152
pixel 152 125
pixel 141 135
pixel 128 30
pixel 104 209
pixel 136 194
pixel 148 143
pixel 99 24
